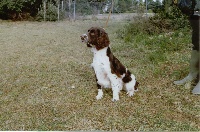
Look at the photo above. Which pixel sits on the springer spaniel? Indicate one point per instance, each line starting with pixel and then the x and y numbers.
pixel 108 69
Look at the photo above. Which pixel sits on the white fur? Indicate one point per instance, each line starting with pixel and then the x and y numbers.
pixel 106 79
pixel 84 38
pixel 100 94
pixel 129 86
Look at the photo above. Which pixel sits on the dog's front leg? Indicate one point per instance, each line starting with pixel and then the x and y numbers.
pixel 116 87
pixel 116 84
pixel 100 91
pixel 115 95
pixel 100 94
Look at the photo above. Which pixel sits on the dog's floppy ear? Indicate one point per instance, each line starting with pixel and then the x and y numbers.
pixel 92 31
pixel 89 29
pixel 101 32
pixel 103 40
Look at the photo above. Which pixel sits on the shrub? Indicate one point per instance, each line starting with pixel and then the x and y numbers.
pixel 162 22
pixel 18 9
pixel 51 13
pixel 173 19
pixel 159 35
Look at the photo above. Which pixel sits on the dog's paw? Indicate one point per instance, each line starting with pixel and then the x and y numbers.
pixel 100 94
pixel 130 93
pixel 98 97
pixel 115 99
pixel 115 95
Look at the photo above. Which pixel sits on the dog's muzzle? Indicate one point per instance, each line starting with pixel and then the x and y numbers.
pixel 84 39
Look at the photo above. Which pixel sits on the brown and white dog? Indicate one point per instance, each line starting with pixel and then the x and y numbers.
pixel 110 73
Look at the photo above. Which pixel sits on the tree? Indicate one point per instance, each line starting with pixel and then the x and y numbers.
pixel 17 9
pixel 122 5
pixel 167 4
pixel 149 2
pixel 20 9
pixel 97 5
pixel 83 7
pixel 156 6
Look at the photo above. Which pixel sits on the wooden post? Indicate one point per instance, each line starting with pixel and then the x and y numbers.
pixel 44 10
pixel 62 6
pixel 74 10
pixel 69 4
pixel 146 8
pixel 58 10
pixel 112 6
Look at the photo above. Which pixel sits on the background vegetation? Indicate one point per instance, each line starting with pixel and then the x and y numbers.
pixel 18 9
pixel 47 82
pixel 26 9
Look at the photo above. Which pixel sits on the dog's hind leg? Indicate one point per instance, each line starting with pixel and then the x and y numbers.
pixel 131 86
pixel 116 84
pixel 130 83
pixel 116 89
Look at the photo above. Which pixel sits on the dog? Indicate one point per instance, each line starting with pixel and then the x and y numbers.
pixel 109 71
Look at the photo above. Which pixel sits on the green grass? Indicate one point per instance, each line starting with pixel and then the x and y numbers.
pixel 46 82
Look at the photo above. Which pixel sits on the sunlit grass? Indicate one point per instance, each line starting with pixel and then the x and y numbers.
pixel 46 82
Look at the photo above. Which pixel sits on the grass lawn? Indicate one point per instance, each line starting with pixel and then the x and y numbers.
pixel 46 82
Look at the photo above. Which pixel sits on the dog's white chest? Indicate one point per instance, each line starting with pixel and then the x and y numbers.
pixel 100 60
pixel 101 65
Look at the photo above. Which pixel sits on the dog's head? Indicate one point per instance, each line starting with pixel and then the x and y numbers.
pixel 96 37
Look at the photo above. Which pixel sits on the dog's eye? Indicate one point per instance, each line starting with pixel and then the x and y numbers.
pixel 92 32
pixel 88 31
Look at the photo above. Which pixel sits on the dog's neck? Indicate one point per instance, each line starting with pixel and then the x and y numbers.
pixel 99 52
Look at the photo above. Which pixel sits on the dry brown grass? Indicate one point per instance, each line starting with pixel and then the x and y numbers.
pixel 46 83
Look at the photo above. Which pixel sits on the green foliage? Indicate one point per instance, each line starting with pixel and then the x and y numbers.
pixel 162 22
pixel 156 6
pixel 156 57
pixel 122 6
pixel 83 7
pixel 13 9
pixel 167 4
pixel 96 0
pixel 171 20
pixel 157 46
pixel 51 13
pixel 163 33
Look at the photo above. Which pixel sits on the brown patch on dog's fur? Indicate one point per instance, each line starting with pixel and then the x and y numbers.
pixel 116 66
pixel 136 85
pixel 127 77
